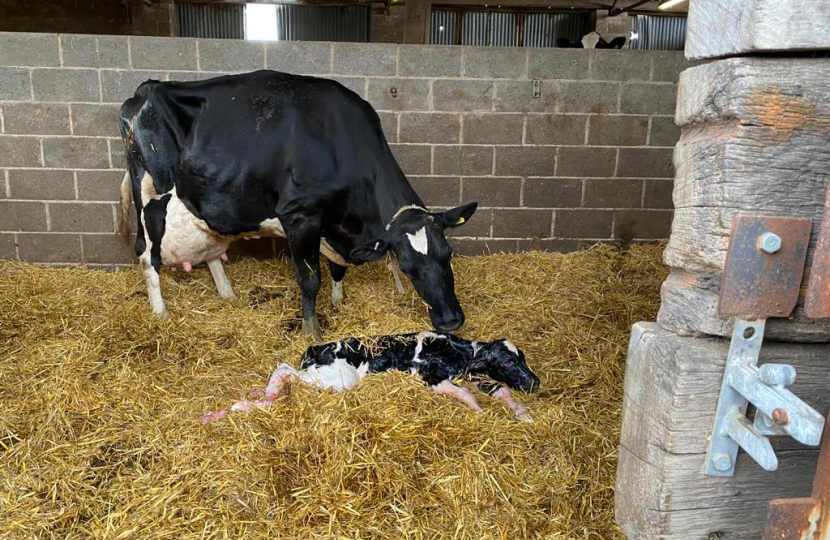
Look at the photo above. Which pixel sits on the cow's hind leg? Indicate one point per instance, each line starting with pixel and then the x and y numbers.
pixel 154 213
pixel 223 286
pixel 304 240
pixel 337 274
pixel 151 279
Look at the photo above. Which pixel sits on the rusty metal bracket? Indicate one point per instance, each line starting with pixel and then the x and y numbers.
pixel 817 299
pixel 806 518
pixel 762 278
pixel 764 266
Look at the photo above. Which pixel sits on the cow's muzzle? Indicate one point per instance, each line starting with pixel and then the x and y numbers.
pixel 447 322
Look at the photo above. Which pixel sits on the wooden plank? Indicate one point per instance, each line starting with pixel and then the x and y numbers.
pixel 731 512
pixel 670 393
pixel 417 21
pixel 754 141
pixel 718 28
pixel 689 307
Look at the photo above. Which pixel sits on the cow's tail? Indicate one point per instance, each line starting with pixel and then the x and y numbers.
pixel 124 207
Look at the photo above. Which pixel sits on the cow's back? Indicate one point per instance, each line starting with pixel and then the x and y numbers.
pixel 235 146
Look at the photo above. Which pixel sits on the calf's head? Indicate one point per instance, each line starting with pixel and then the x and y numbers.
pixel 416 237
pixel 501 361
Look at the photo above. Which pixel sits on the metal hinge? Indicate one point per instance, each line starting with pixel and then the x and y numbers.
pixel 764 267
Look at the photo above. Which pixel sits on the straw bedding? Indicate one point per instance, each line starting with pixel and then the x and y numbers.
pixel 99 404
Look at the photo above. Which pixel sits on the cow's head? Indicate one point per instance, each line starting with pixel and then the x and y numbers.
pixel 501 361
pixel 416 237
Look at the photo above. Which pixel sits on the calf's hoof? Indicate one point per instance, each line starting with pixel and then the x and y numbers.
pixel 525 417
pixel 227 295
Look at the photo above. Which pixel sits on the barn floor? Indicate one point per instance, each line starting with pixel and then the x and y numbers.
pixel 99 404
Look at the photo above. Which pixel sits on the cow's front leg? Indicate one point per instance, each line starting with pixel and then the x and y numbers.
pixel 223 286
pixel 447 388
pixel 337 274
pixel 304 241
pixel 395 268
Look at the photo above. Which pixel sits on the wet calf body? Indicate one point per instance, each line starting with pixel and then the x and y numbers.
pixel 437 358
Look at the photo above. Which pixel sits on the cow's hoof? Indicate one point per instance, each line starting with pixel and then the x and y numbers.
pixel 311 328
pixel 227 295
pixel 526 418
pixel 164 314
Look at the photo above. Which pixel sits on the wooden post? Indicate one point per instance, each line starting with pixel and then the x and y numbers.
pixel 754 140
pixel 417 21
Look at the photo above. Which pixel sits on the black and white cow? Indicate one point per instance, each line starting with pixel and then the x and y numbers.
pixel 274 154
pixel 437 358
pixel 591 40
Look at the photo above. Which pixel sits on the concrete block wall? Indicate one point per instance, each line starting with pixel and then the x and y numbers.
pixel 590 160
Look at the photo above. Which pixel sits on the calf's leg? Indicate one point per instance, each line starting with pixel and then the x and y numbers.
pixel 505 395
pixel 223 286
pixel 447 388
pixel 337 274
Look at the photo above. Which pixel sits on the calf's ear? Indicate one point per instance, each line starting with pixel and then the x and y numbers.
pixel 617 43
pixel 457 216
pixel 370 252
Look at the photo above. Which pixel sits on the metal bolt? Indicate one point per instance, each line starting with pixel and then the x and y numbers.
pixel 722 462
pixel 781 417
pixel 769 242
pixel 777 374
pixel 393 91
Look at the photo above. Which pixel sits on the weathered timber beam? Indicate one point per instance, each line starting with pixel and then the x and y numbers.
pixel 417 21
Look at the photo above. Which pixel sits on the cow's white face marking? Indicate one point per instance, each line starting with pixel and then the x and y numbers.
pixel 589 41
pixel 510 347
pixel 419 241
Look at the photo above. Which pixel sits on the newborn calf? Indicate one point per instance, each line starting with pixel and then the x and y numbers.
pixel 435 357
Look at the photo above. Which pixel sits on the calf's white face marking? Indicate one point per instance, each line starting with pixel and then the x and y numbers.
pixel 420 345
pixel 419 241
pixel 510 347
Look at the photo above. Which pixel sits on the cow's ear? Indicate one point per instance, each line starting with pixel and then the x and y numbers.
pixel 457 216
pixel 617 43
pixel 370 252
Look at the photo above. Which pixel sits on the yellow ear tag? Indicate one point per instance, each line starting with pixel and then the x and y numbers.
pixel 460 221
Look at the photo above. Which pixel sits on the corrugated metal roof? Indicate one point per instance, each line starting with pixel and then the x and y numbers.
pixel 224 21
pixel 323 23
pixel 443 27
pixel 543 29
pixel 506 28
pixel 658 32
pixel 496 29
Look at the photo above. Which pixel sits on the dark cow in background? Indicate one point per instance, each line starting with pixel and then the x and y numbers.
pixel 591 40
pixel 274 154
pixel 437 358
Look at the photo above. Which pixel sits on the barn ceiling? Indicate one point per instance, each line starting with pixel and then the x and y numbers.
pixel 621 5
